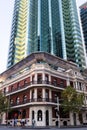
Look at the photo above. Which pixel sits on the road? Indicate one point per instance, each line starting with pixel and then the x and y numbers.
pixel 17 128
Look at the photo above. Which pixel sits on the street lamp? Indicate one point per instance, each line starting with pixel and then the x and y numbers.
pixel 57 108
pixel 58 112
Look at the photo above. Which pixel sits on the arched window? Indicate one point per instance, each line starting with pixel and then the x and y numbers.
pixel 24 113
pixel 32 115
pixel 55 82
pixel 39 78
pixel 11 101
pixel 62 83
pixel 25 81
pixel 55 97
pixel 39 115
pixel 4 90
pixel 47 94
pixel 17 100
pixel 12 88
pixel 39 94
pixel 18 85
pixel 25 98
pixel 46 79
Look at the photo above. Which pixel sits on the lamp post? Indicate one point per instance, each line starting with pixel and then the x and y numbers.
pixel 58 116
pixel 58 112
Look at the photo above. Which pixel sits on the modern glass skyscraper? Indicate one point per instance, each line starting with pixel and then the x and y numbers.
pixel 83 14
pixel 46 25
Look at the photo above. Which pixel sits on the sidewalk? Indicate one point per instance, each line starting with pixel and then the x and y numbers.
pixel 46 127
pixel 36 127
pixel 51 127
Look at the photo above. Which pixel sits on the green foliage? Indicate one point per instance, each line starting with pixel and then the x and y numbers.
pixel 72 101
pixel 3 103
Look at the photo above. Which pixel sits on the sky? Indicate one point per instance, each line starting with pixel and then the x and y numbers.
pixel 6 13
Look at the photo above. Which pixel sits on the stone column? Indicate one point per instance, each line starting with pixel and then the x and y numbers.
pixel 31 78
pixel 35 79
pixel 35 94
pixel 77 119
pixel 35 116
pixel 43 95
pixel 68 80
pixel 71 119
pixel 50 94
pixel 3 118
pixel 76 85
pixel 50 116
pixel 44 117
pixel 43 77
pixel 49 78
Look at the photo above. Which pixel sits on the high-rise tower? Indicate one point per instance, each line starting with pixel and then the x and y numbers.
pixel 83 14
pixel 46 25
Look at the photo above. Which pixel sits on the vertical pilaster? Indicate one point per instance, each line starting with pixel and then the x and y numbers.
pixel 50 94
pixel 43 90
pixel 50 116
pixel 44 117
pixel 76 85
pixel 43 76
pixel 49 78
pixel 30 78
pixel 68 80
pixel 35 79
pixel 35 93
pixel 71 119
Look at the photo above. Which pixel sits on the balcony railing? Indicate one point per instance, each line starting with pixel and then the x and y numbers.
pixel 33 100
pixel 34 83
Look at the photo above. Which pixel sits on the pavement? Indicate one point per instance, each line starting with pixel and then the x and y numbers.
pixel 39 128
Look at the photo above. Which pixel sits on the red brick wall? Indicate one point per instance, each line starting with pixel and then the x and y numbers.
pixel 20 83
pixel 58 81
pixel 27 79
pixel 27 113
pixel 71 83
pixel 20 95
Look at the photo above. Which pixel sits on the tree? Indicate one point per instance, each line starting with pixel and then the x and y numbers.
pixel 3 104
pixel 72 100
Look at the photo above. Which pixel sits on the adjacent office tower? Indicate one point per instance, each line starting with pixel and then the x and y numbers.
pixel 46 25
pixel 83 14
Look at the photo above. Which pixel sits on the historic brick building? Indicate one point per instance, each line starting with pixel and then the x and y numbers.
pixel 33 86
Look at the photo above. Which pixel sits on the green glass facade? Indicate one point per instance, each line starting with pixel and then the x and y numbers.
pixel 83 14
pixel 73 40
pixel 46 26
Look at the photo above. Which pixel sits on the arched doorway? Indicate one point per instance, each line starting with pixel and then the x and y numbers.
pixel 56 123
pixel 65 123
pixel 74 117
pixel 47 117
pixel 13 114
pixel 24 114
pixel 80 118
pixel 39 115
pixel 33 114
